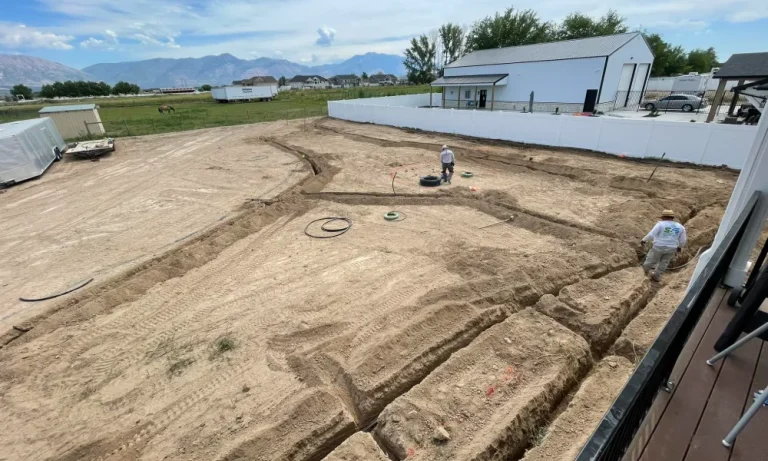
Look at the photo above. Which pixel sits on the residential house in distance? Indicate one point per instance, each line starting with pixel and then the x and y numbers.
pixel 584 75
pixel 345 81
pixel 382 80
pixel 259 80
pixel 301 82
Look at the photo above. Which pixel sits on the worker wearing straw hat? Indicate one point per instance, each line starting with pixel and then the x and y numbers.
pixel 668 237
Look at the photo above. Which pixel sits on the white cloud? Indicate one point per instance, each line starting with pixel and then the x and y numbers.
pixel 326 36
pixel 147 40
pixel 111 36
pixel 244 27
pixel 92 43
pixel 21 36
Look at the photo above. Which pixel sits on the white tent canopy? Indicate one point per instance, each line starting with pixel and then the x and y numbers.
pixel 27 149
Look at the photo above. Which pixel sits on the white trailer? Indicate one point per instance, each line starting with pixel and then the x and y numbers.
pixel 27 149
pixel 243 93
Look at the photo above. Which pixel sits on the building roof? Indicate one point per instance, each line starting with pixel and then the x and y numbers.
pixel 488 79
pixel 377 77
pixel 551 51
pixel 304 78
pixel 69 108
pixel 8 130
pixel 744 65
pixel 346 77
pixel 255 79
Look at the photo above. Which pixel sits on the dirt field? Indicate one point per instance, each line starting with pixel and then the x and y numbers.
pixel 86 219
pixel 217 329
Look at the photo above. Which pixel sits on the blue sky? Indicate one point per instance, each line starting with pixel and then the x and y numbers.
pixel 79 33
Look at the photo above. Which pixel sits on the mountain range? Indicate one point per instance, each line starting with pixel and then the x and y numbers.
pixel 30 71
pixel 165 72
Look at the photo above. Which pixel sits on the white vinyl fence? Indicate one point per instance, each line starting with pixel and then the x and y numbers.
pixel 700 143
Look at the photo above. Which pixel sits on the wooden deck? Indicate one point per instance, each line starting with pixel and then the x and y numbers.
pixel 690 423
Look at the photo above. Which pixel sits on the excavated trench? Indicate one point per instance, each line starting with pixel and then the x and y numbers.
pixel 586 310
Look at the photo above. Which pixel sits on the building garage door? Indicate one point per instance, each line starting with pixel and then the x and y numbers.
pixel 636 90
pixel 625 84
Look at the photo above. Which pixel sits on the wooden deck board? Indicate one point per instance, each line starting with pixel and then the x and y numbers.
pixel 709 400
pixel 662 399
pixel 673 434
pixel 754 435
pixel 726 403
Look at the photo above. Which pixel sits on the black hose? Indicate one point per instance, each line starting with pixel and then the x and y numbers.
pixel 336 231
pixel 76 287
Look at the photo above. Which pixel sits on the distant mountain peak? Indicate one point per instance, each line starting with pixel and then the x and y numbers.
pixel 34 72
pixel 225 68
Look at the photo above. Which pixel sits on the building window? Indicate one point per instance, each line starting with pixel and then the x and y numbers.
pixel 466 94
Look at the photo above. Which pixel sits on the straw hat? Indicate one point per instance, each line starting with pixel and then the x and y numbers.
pixel 667 214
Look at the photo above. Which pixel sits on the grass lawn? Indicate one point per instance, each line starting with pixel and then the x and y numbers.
pixel 131 116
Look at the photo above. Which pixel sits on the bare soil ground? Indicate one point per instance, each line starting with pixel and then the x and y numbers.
pixel 247 339
pixel 86 219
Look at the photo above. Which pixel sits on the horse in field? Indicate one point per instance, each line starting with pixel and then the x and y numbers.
pixel 166 108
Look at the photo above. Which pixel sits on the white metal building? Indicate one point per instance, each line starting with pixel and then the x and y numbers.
pixel 75 121
pixel 597 73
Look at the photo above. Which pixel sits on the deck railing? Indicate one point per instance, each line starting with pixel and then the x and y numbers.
pixel 620 425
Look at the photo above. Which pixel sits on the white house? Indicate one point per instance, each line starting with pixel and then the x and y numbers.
pixel 598 73
pixel 301 82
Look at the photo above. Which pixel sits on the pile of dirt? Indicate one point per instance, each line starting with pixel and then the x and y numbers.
pixel 641 332
pixel 567 435
pixel 487 399
pixel 359 447
pixel 598 309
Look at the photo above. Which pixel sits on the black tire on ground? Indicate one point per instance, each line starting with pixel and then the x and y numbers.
pixel 733 298
pixel 650 106
pixel 687 108
pixel 429 181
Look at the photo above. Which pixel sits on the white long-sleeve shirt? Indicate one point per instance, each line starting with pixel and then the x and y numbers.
pixel 667 234
pixel 446 156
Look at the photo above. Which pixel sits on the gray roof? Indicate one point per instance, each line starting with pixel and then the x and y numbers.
pixel 744 65
pixel 8 130
pixel 551 51
pixel 469 80
pixel 256 79
pixel 304 78
pixel 70 108
pixel 345 76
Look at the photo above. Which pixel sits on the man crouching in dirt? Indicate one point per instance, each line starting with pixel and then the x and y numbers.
pixel 448 161
pixel 668 237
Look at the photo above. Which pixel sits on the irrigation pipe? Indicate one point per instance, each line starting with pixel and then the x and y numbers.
pixel 335 231
pixel 44 298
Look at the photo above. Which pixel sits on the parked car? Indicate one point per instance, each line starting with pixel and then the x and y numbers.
pixel 684 102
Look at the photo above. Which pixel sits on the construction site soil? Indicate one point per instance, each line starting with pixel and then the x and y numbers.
pixel 217 328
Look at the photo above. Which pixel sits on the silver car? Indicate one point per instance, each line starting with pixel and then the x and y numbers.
pixel 684 102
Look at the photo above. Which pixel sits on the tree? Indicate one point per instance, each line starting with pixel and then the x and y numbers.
pixel 452 39
pixel 21 90
pixel 282 81
pixel 668 60
pixel 125 88
pixel 700 60
pixel 420 60
pixel 512 28
pixel 578 25
pixel 47 92
pixel 205 87
pixel 364 76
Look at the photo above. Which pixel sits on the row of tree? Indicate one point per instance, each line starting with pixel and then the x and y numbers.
pixel 81 88
pixel 430 53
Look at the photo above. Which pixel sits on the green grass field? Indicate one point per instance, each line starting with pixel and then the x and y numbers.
pixel 131 116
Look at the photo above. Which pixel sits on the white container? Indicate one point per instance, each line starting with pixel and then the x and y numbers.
pixel 243 93
pixel 27 149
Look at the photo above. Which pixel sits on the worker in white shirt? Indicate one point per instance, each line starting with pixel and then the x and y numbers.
pixel 448 161
pixel 668 238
